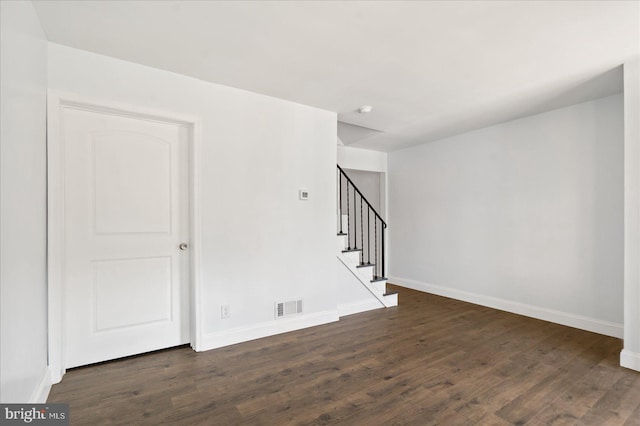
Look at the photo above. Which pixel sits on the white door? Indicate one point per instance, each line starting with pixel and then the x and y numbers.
pixel 125 285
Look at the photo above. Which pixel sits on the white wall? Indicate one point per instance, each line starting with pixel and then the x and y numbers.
pixel 370 185
pixel 362 159
pixel 525 216
pixel 630 356
pixel 260 243
pixel 366 160
pixel 23 288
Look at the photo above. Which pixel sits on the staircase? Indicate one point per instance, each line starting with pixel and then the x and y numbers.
pixel 361 233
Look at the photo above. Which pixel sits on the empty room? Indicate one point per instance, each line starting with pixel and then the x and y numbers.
pixel 320 212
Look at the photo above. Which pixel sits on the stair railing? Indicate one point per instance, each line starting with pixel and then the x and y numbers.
pixel 363 225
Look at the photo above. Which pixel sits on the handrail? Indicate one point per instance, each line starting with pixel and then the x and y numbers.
pixel 354 231
pixel 363 197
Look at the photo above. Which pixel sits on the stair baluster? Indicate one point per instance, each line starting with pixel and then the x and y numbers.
pixel 369 236
pixel 340 203
pixel 361 234
pixel 348 224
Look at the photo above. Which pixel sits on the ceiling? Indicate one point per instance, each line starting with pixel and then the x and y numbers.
pixel 430 69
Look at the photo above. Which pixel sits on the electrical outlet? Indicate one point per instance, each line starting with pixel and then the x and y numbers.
pixel 224 311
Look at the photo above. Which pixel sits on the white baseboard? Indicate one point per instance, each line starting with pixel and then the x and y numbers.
pixel 360 306
pixel 56 375
pixel 558 317
pixel 41 392
pixel 265 329
pixel 630 360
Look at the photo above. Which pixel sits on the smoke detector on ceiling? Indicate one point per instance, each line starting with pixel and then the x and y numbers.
pixel 364 109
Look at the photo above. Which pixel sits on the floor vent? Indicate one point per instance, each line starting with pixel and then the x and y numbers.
pixel 291 307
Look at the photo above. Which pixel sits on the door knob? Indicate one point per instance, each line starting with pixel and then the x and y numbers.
pixel 183 246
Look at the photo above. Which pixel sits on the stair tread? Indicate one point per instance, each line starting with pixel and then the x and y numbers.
pixel 378 279
pixel 365 265
pixel 390 294
pixel 350 250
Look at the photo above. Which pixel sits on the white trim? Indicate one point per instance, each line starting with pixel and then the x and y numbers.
pixel 265 329
pixel 350 157
pixel 41 392
pixel 631 70
pixel 56 100
pixel 558 317
pixel 351 308
pixel 195 228
pixel 630 360
pixel 55 231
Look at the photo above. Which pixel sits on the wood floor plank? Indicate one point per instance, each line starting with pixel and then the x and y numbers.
pixel 548 388
pixel 429 361
pixel 617 405
pixel 581 397
pixel 634 417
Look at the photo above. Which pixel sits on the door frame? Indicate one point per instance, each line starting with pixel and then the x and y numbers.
pixel 57 101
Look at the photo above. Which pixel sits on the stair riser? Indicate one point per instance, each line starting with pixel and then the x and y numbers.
pixel 342 242
pixel 380 286
pixel 366 274
pixel 390 300
pixel 353 257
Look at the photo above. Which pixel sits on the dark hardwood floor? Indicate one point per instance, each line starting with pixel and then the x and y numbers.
pixel 429 361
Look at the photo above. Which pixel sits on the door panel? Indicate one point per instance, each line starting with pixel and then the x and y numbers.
pixel 112 278
pixel 125 199
pixel 126 208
